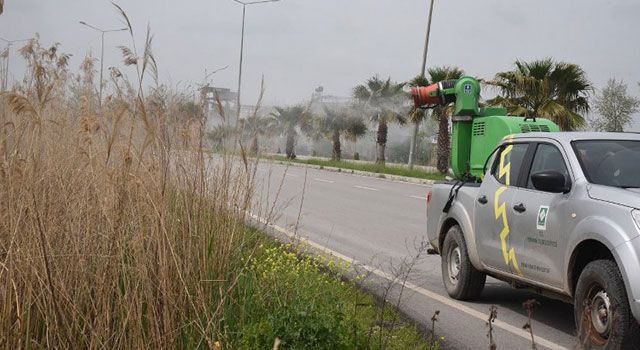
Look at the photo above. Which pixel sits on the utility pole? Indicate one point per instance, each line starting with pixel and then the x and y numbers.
pixel 244 12
pixel 416 126
pixel 101 53
pixel 5 71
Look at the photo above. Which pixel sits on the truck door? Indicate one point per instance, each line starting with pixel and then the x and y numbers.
pixel 541 219
pixel 493 214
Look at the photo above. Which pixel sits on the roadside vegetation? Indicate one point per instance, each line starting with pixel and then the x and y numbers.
pixel 615 107
pixel 368 167
pixel 117 231
pixel 304 302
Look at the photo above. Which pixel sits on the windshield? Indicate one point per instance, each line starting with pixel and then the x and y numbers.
pixel 610 162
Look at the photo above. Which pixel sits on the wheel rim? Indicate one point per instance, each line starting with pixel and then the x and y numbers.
pixel 453 259
pixel 599 315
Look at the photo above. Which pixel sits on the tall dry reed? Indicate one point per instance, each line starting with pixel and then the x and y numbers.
pixel 115 229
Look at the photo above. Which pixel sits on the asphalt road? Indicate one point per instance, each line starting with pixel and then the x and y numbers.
pixel 381 223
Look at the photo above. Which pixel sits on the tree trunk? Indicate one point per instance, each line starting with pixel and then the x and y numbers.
pixel 381 141
pixel 289 147
pixel 254 144
pixel 337 151
pixel 444 143
pixel 414 142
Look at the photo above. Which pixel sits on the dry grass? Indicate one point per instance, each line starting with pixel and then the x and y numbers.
pixel 114 230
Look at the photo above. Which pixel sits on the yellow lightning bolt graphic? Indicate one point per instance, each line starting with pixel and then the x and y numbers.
pixel 500 209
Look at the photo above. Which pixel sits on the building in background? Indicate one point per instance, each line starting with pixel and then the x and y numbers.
pixel 209 97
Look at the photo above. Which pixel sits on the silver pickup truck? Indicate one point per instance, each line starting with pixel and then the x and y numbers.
pixel 558 213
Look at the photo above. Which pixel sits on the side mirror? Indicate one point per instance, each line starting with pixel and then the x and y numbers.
pixel 550 181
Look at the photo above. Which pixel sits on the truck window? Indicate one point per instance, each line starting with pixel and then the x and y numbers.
pixel 610 162
pixel 548 157
pixel 508 161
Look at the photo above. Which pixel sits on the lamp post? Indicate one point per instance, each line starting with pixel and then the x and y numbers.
pixel 5 78
pixel 101 53
pixel 416 126
pixel 244 11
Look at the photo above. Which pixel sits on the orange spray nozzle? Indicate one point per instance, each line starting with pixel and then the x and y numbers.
pixel 424 95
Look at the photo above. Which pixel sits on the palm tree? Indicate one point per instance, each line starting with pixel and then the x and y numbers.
pixel 219 134
pixel 416 116
pixel 544 88
pixel 442 114
pixel 254 127
pixel 336 123
pixel 287 121
pixel 355 130
pixel 380 98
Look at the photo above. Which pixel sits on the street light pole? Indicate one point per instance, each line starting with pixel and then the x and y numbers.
pixel 244 12
pixel 5 78
pixel 416 126
pixel 101 54
pixel 238 105
pixel 426 41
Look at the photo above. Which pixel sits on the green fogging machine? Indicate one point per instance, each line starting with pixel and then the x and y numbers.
pixel 476 131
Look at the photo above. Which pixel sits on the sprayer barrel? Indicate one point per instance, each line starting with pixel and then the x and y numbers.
pixel 425 95
pixel 434 94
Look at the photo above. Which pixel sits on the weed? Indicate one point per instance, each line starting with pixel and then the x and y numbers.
pixel 529 305
pixel 493 314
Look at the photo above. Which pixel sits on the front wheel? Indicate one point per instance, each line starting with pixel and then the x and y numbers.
pixel 601 308
pixel 461 280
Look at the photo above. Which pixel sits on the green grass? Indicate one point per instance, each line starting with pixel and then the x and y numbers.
pixel 304 302
pixel 369 167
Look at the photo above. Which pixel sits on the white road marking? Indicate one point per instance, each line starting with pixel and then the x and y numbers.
pixel 292 175
pixel 425 292
pixel 418 197
pixel 366 188
pixel 323 180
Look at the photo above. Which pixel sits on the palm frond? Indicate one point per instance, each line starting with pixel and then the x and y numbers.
pixel 419 80
pixel 545 88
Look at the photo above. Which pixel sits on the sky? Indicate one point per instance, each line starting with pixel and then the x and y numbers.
pixel 298 45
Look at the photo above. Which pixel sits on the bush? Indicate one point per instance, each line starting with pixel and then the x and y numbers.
pixel 302 301
pixel 399 152
pixel 294 301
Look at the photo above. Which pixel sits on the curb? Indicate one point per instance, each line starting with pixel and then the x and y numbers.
pixel 397 178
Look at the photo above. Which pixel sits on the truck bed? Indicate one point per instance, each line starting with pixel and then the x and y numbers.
pixel 464 197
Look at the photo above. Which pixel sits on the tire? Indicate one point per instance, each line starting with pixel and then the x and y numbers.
pixel 601 287
pixel 461 280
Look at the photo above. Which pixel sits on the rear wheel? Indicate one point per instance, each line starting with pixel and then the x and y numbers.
pixel 601 308
pixel 461 280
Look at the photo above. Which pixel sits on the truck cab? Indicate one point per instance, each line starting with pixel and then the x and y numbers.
pixel 555 212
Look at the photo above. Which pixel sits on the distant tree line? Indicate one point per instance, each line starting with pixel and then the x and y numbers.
pixel 544 88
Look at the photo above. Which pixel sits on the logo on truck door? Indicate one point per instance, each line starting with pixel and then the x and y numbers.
pixel 543 212
pixel 500 209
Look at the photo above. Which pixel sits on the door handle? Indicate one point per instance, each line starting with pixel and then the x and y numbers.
pixel 483 199
pixel 520 208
